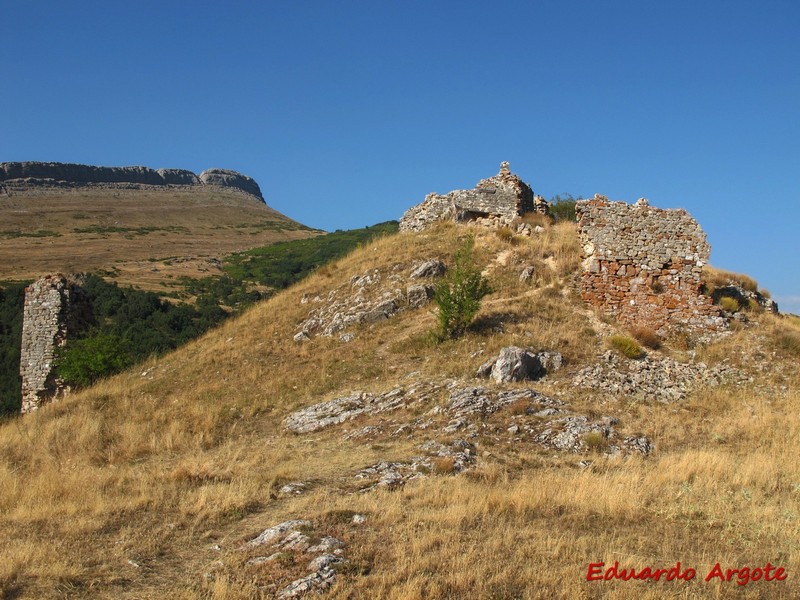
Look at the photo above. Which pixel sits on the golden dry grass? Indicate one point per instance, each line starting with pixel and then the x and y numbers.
pixel 146 238
pixel 123 490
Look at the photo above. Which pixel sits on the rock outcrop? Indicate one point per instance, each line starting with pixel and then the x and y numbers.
pixel 22 176
pixel 643 266
pixel 495 201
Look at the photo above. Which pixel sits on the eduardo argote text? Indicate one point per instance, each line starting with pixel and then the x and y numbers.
pixel 742 576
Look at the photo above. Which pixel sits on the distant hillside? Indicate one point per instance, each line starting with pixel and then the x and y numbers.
pixel 139 226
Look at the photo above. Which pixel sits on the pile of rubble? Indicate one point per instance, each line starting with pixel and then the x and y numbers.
pixel 652 377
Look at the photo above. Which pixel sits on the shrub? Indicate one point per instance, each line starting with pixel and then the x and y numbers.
pixel 86 360
pixel 626 346
pixel 647 337
pixel 562 208
pixel 459 294
pixel 729 304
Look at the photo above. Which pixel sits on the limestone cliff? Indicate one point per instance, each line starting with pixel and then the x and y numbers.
pixel 20 176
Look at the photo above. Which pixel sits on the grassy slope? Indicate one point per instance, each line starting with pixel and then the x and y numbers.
pixel 121 491
pixel 142 237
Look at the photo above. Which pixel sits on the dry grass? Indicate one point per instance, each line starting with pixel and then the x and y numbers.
pixel 626 346
pixel 147 238
pixel 647 337
pixel 123 490
pixel 715 278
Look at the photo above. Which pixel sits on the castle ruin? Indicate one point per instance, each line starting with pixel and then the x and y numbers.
pixel 496 201
pixel 643 266
pixel 55 308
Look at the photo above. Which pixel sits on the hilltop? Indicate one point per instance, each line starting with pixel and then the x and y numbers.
pixel 326 437
pixel 137 225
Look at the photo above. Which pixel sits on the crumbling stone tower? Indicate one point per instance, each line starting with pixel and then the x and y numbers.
pixel 55 308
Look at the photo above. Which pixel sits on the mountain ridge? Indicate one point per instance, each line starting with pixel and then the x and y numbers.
pixel 24 176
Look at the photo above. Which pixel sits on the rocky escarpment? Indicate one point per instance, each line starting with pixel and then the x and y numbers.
pixel 23 176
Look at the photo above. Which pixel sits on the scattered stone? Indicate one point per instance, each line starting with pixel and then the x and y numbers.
pixel 277 533
pixel 359 519
pixel 452 459
pixel 326 560
pixel 301 336
pixel 346 338
pixel 327 544
pixel 428 269
pixel 260 560
pixel 526 274
pixel 652 377
pixel 518 364
pixel 295 488
pixel 319 581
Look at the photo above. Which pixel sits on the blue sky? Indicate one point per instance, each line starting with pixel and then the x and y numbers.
pixel 348 113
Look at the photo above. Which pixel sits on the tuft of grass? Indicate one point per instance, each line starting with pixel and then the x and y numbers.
pixel 716 278
pixel 730 305
pixel 595 441
pixel 789 342
pixel 444 465
pixel 505 234
pixel 646 337
pixel 627 346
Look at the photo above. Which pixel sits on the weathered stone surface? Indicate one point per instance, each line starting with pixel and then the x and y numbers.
pixel 429 268
pixel 527 273
pixel 419 295
pixel 366 300
pixel 498 200
pixel 642 265
pixel 454 458
pixel 55 308
pixel 278 532
pixel 228 178
pixel 339 410
pixel 652 377
pixel 288 539
pixel 318 581
pixel 18 176
pixel 518 364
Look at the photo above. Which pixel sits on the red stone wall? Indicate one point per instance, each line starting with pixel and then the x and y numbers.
pixel 643 264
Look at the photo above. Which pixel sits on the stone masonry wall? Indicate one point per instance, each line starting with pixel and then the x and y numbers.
pixel 496 200
pixel 643 264
pixel 53 310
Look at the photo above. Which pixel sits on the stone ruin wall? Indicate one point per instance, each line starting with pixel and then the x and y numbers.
pixel 55 308
pixel 495 201
pixel 643 266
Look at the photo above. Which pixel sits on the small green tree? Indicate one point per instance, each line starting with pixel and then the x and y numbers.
pixel 562 208
pixel 459 293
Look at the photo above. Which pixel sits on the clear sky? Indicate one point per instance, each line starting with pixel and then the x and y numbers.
pixel 347 113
